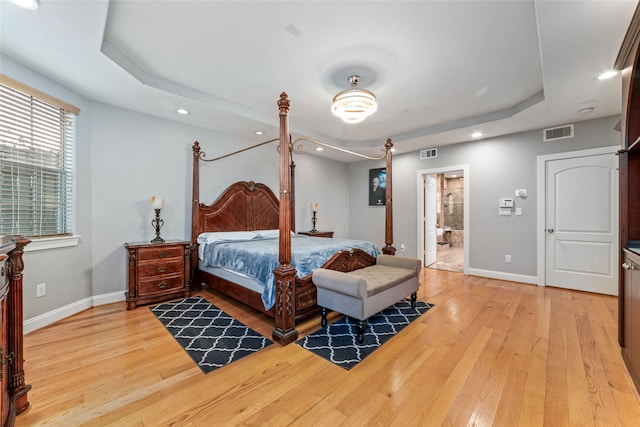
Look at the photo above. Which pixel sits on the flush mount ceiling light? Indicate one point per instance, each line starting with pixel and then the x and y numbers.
pixel 355 104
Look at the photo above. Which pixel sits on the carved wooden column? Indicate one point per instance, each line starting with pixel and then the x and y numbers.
pixel 196 284
pixel 285 274
pixel 17 388
pixel 293 191
pixel 388 230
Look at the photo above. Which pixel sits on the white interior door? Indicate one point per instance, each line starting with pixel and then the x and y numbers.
pixel 430 219
pixel 582 223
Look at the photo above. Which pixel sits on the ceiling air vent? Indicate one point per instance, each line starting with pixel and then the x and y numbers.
pixel 559 132
pixel 428 153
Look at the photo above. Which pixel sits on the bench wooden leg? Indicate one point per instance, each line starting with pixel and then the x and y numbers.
pixel 323 312
pixel 361 324
pixel 414 297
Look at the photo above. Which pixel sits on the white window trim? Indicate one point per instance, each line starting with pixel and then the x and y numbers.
pixel 43 243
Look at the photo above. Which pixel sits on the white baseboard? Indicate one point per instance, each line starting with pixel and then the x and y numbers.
pixel 533 280
pixel 53 316
pixel 108 298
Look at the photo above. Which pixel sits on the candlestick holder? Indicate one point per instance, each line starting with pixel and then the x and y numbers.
pixel 313 221
pixel 157 223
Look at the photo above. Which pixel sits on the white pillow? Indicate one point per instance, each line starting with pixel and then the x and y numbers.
pixel 268 234
pixel 218 236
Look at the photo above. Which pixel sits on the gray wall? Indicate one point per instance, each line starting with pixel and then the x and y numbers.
pixel 497 167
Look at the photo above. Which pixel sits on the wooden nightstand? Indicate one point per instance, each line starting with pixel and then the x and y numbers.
pixel 328 234
pixel 158 272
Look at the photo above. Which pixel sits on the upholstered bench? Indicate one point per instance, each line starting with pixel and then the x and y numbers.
pixel 364 292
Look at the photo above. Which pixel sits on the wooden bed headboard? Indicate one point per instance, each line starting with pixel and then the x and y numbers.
pixel 244 206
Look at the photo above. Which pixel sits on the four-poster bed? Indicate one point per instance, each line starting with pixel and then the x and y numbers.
pixel 254 209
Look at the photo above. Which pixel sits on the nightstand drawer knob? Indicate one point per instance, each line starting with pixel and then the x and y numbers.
pixel 162 269
pixel 162 254
pixel 162 285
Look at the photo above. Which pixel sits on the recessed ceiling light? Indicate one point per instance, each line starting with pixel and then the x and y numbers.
pixel 585 110
pixel 182 111
pixel 259 132
pixel 476 135
pixel 607 75
pixel 27 4
pixel 319 149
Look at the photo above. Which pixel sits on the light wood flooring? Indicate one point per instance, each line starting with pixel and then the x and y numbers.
pixel 490 353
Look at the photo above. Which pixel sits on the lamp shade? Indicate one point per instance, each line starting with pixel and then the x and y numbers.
pixel 156 202
pixel 355 104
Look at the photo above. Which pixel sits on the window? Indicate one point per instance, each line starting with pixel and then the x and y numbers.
pixel 37 142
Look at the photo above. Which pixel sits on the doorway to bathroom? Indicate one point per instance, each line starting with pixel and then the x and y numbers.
pixel 444 218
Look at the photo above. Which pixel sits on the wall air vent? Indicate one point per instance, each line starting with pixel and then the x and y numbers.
pixel 558 132
pixel 428 153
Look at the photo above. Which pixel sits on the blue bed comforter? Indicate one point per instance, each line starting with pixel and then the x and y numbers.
pixel 258 257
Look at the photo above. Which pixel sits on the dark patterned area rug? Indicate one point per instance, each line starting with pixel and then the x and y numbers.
pixel 210 336
pixel 338 342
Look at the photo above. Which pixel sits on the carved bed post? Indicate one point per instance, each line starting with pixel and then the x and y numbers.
pixel 293 188
pixel 195 217
pixel 388 230
pixel 285 274
pixel 17 388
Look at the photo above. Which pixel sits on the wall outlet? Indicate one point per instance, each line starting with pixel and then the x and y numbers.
pixel 41 290
pixel 507 258
pixel 402 247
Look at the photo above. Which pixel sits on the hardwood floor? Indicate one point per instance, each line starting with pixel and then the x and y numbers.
pixel 489 353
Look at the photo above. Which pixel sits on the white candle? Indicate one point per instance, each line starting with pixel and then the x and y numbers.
pixel 156 202
pixel 314 206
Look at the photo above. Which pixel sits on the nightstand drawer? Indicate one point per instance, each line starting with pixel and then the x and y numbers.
pixel 160 267
pixel 162 252
pixel 160 284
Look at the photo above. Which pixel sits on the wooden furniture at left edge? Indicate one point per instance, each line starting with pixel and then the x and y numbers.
pixel 14 389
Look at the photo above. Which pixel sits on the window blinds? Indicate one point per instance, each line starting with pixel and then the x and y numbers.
pixel 37 141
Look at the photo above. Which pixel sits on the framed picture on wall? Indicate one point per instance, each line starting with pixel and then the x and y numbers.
pixel 377 186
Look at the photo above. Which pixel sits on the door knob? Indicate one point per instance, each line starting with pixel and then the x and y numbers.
pixel 550 230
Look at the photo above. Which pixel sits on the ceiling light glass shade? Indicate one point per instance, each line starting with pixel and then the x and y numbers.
pixel 354 105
